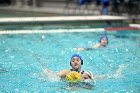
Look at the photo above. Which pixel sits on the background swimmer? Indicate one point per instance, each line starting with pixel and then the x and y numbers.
pixel 102 43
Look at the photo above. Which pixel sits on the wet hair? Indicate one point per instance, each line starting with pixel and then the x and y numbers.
pixel 77 55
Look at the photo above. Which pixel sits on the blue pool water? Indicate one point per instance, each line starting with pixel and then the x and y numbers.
pixel 23 58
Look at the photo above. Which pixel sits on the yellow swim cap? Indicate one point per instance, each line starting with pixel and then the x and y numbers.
pixel 73 77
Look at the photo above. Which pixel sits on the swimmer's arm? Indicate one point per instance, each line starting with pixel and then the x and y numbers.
pixel 48 71
pixel 88 48
pixel 117 74
pixel 96 46
pixel 63 73
pixel 100 77
pixel 79 49
pixel 93 47
pixel 82 49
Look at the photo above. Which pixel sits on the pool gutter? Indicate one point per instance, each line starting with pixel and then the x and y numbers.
pixel 60 19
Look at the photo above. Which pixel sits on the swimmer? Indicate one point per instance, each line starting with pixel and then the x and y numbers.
pixel 87 79
pixel 75 62
pixel 102 43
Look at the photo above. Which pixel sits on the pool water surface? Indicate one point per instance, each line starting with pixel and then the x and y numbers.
pixel 24 56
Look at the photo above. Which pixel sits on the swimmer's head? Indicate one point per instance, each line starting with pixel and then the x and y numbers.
pixel 104 40
pixel 76 61
pixel 86 75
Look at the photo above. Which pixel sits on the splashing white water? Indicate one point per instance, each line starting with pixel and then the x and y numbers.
pixel 116 75
pixel 51 76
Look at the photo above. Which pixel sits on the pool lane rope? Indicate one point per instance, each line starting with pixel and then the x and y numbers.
pixel 51 31
pixel 70 30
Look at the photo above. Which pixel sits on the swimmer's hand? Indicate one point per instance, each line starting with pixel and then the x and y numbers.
pixel 118 72
pixel 79 49
pixel 47 71
pixel 82 49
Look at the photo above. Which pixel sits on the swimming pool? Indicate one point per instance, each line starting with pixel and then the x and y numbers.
pixel 24 56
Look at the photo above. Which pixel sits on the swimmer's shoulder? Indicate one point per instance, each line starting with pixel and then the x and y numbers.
pixel 96 45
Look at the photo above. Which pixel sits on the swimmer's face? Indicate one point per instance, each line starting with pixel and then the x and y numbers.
pixel 85 76
pixel 103 41
pixel 76 62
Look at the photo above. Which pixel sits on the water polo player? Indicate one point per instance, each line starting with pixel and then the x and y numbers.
pixel 75 62
pixel 102 43
pixel 75 73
